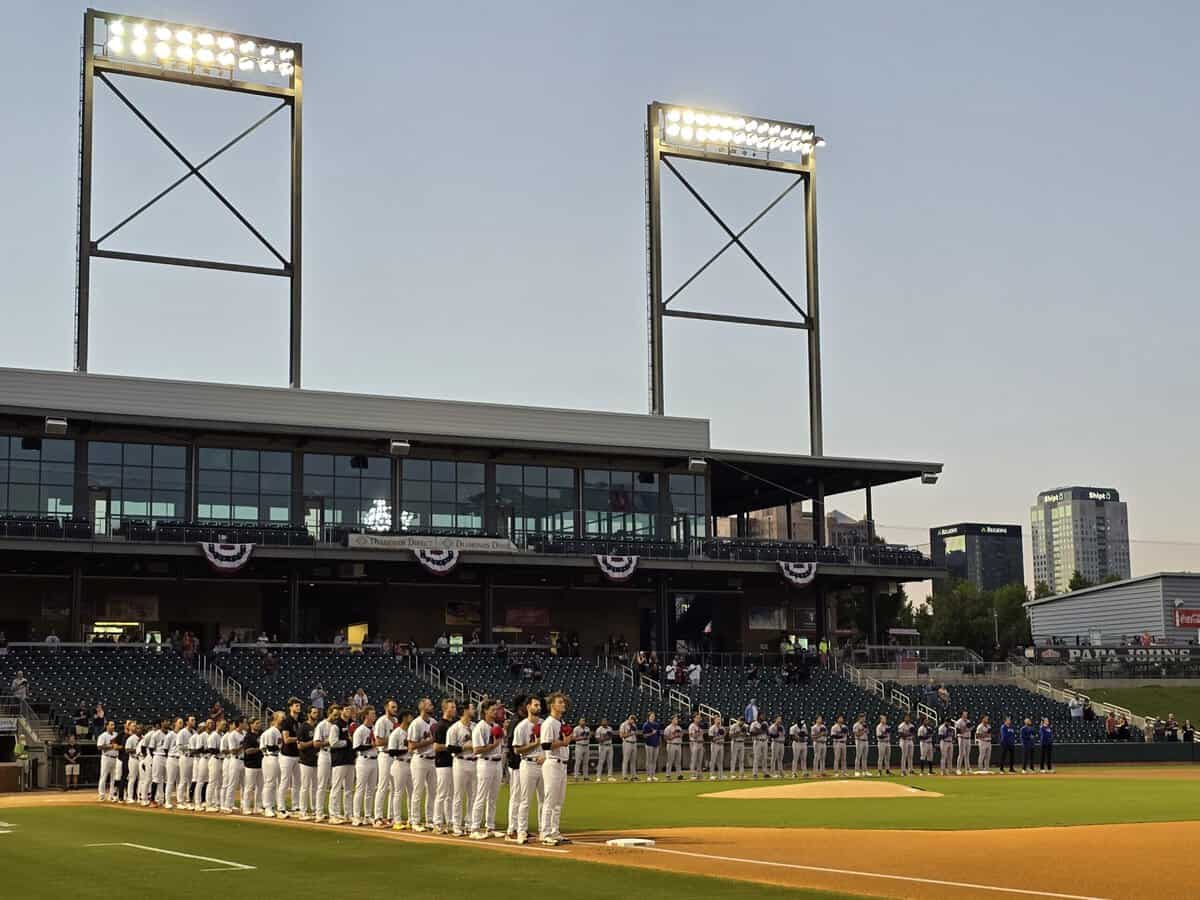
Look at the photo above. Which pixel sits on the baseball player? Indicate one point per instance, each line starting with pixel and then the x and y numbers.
pixel 157 751
pixel 758 746
pixel 581 737
pixel 925 743
pixel 696 744
pixel 946 746
pixel 1046 742
pixel 366 768
pixel 862 740
pixel 110 761
pixel 556 746
pixel 443 767
pixel 737 749
pixel 268 743
pixel 289 761
pixel 777 735
pixel 384 726
pixel 651 738
pixel 252 760
pixel 183 742
pixel 420 755
pixel 236 770
pixel 673 735
pixel 200 764
pixel 839 733
pixel 463 772
pixel 716 749
pixel 962 731
pixel 487 743
pixel 1028 734
pixel 325 733
pixel 527 745
pixel 604 751
pixel 905 731
pixel 144 762
pixel 341 760
pixel 628 732
pixel 819 734
pixel 401 774
pixel 226 765
pixel 1008 745
pixel 983 738
pixel 799 735
pixel 305 734
pixel 174 754
pixel 212 796
pixel 883 747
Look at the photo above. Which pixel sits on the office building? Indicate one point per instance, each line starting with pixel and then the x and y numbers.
pixel 1079 529
pixel 988 556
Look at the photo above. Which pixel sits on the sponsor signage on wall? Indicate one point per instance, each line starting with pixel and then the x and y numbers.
pixel 428 542
pixel 1187 618
pixel 1131 654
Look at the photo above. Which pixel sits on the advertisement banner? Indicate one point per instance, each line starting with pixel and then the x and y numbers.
pixel 430 542
pixel 1187 618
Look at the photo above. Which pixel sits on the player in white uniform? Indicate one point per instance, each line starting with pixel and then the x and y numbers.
pixel 341 786
pixel 144 761
pixel 212 797
pixel 737 749
pixel 556 747
pixel 324 734
pixel 799 735
pixel 983 739
pixel 420 752
pixel 696 746
pixel 604 751
pixel 148 751
pixel 131 749
pixel 183 741
pixel 229 751
pixel 174 753
pixel 401 773
pixel 673 735
pixel 716 749
pixel 463 772
pixel 628 732
pixel 252 777
pixel 527 745
pixel 366 768
pixel 200 764
pixel 269 742
pixel 235 772
pixel 581 737
pixel 384 726
pixel 487 742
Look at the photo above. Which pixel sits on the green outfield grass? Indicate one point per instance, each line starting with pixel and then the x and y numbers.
pixel 44 856
pixel 1153 700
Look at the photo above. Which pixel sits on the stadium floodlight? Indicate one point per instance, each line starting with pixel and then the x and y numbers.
pixel 188 54
pixel 677 131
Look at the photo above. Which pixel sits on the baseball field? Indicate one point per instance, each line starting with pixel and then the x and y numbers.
pixel 1113 832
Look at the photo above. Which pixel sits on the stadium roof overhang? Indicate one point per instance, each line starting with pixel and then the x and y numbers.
pixel 740 480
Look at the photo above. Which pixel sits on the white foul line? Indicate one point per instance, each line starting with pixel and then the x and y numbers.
pixel 226 865
pixel 958 884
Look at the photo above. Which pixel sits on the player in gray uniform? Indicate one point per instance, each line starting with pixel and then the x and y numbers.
pixel 777 735
pixel 628 732
pixel 673 737
pixel 581 737
pixel 737 749
pixel 799 735
pixel 983 738
pixel 838 734
pixel 883 747
pixel 905 731
pixel 962 731
pixel 819 734
pixel 925 745
pixel 716 749
pixel 862 745
pixel 604 751
pixel 946 745
pixel 758 747
pixel 696 746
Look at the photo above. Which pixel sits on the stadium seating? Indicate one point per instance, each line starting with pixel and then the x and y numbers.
pixel 999 700
pixel 134 682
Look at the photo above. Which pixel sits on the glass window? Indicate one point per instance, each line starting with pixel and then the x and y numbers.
pixel 620 503
pixel 37 476
pixel 441 493
pixel 135 481
pixel 524 505
pixel 359 493
pixel 232 488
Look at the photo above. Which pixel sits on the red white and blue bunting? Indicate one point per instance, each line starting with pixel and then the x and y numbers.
pixel 799 574
pixel 617 568
pixel 439 562
pixel 227 558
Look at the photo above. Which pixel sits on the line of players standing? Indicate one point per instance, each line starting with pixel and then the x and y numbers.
pixel 403 770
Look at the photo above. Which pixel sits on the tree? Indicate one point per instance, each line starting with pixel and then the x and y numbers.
pixel 1041 589
pixel 1078 582
pixel 1109 579
pixel 962 615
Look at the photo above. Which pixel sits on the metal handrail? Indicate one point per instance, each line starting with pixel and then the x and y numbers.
pixel 929 712
pixel 651 687
pixel 679 699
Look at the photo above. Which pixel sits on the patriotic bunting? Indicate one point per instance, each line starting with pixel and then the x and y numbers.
pixel 799 574
pixel 617 568
pixel 439 562
pixel 227 558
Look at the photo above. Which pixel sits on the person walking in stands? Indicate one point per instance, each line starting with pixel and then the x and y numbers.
pixel 1046 739
pixel 1028 737
pixel 652 737
pixel 1008 745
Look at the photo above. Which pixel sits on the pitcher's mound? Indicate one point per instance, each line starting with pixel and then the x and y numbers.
pixel 825 790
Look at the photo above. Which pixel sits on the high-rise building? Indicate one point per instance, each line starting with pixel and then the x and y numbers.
pixel 988 556
pixel 1079 529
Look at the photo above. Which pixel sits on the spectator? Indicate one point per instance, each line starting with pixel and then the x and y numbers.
pixel 1076 707
pixel 412 646
pixel 943 695
pixel 217 712
pixel 693 673
pixel 751 711
pixel 502 649
pixel 339 641
pixel 359 700
pixel 442 644
pixel 671 672
pixel 316 698
pixel 52 641
pixel 81 721
pixel 1110 726
pixel 1189 733
pixel 1172 727
pixel 1123 733
pixel 270 664
pixel 221 647
pixel 98 720
pixel 71 764
pixel 262 642
pixel 20 686
pixel 3 644
pixel 752 674
pixel 574 645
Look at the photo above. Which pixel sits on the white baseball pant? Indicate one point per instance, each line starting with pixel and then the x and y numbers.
pixel 341 790
pixel 444 798
pixel 554 785
pixel 324 779
pixel 252 790
pixel 233 780
pixel 288 779
pixel 270 782
pixel 383 785
pixel 487 789
pixel 423 791
pixel 402 786
pixel 463 801
pixel 366 771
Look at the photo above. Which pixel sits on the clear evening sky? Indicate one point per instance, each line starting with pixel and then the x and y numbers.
pixel 1007 214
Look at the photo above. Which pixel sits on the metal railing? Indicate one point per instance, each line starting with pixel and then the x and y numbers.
pixel 456 688
pixel 1066 695
pixel 679 700
pixel 651 686
pixel 924 709
pixel 901 699
pixel 709 712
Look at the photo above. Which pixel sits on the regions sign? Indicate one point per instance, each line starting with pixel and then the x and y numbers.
pixel 1187 618
pixel 429 542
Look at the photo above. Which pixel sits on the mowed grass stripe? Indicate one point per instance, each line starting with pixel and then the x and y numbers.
pixel 46 858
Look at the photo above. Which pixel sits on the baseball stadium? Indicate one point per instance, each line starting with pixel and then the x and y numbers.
pixel 296 640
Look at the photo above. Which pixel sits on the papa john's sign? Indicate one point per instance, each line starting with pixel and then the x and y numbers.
pixel 1187 618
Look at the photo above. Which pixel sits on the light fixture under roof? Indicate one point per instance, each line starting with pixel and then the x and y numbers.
pixel 735 134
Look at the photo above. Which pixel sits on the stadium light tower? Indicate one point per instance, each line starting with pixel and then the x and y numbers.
pixel 675 131
pixel 188 55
